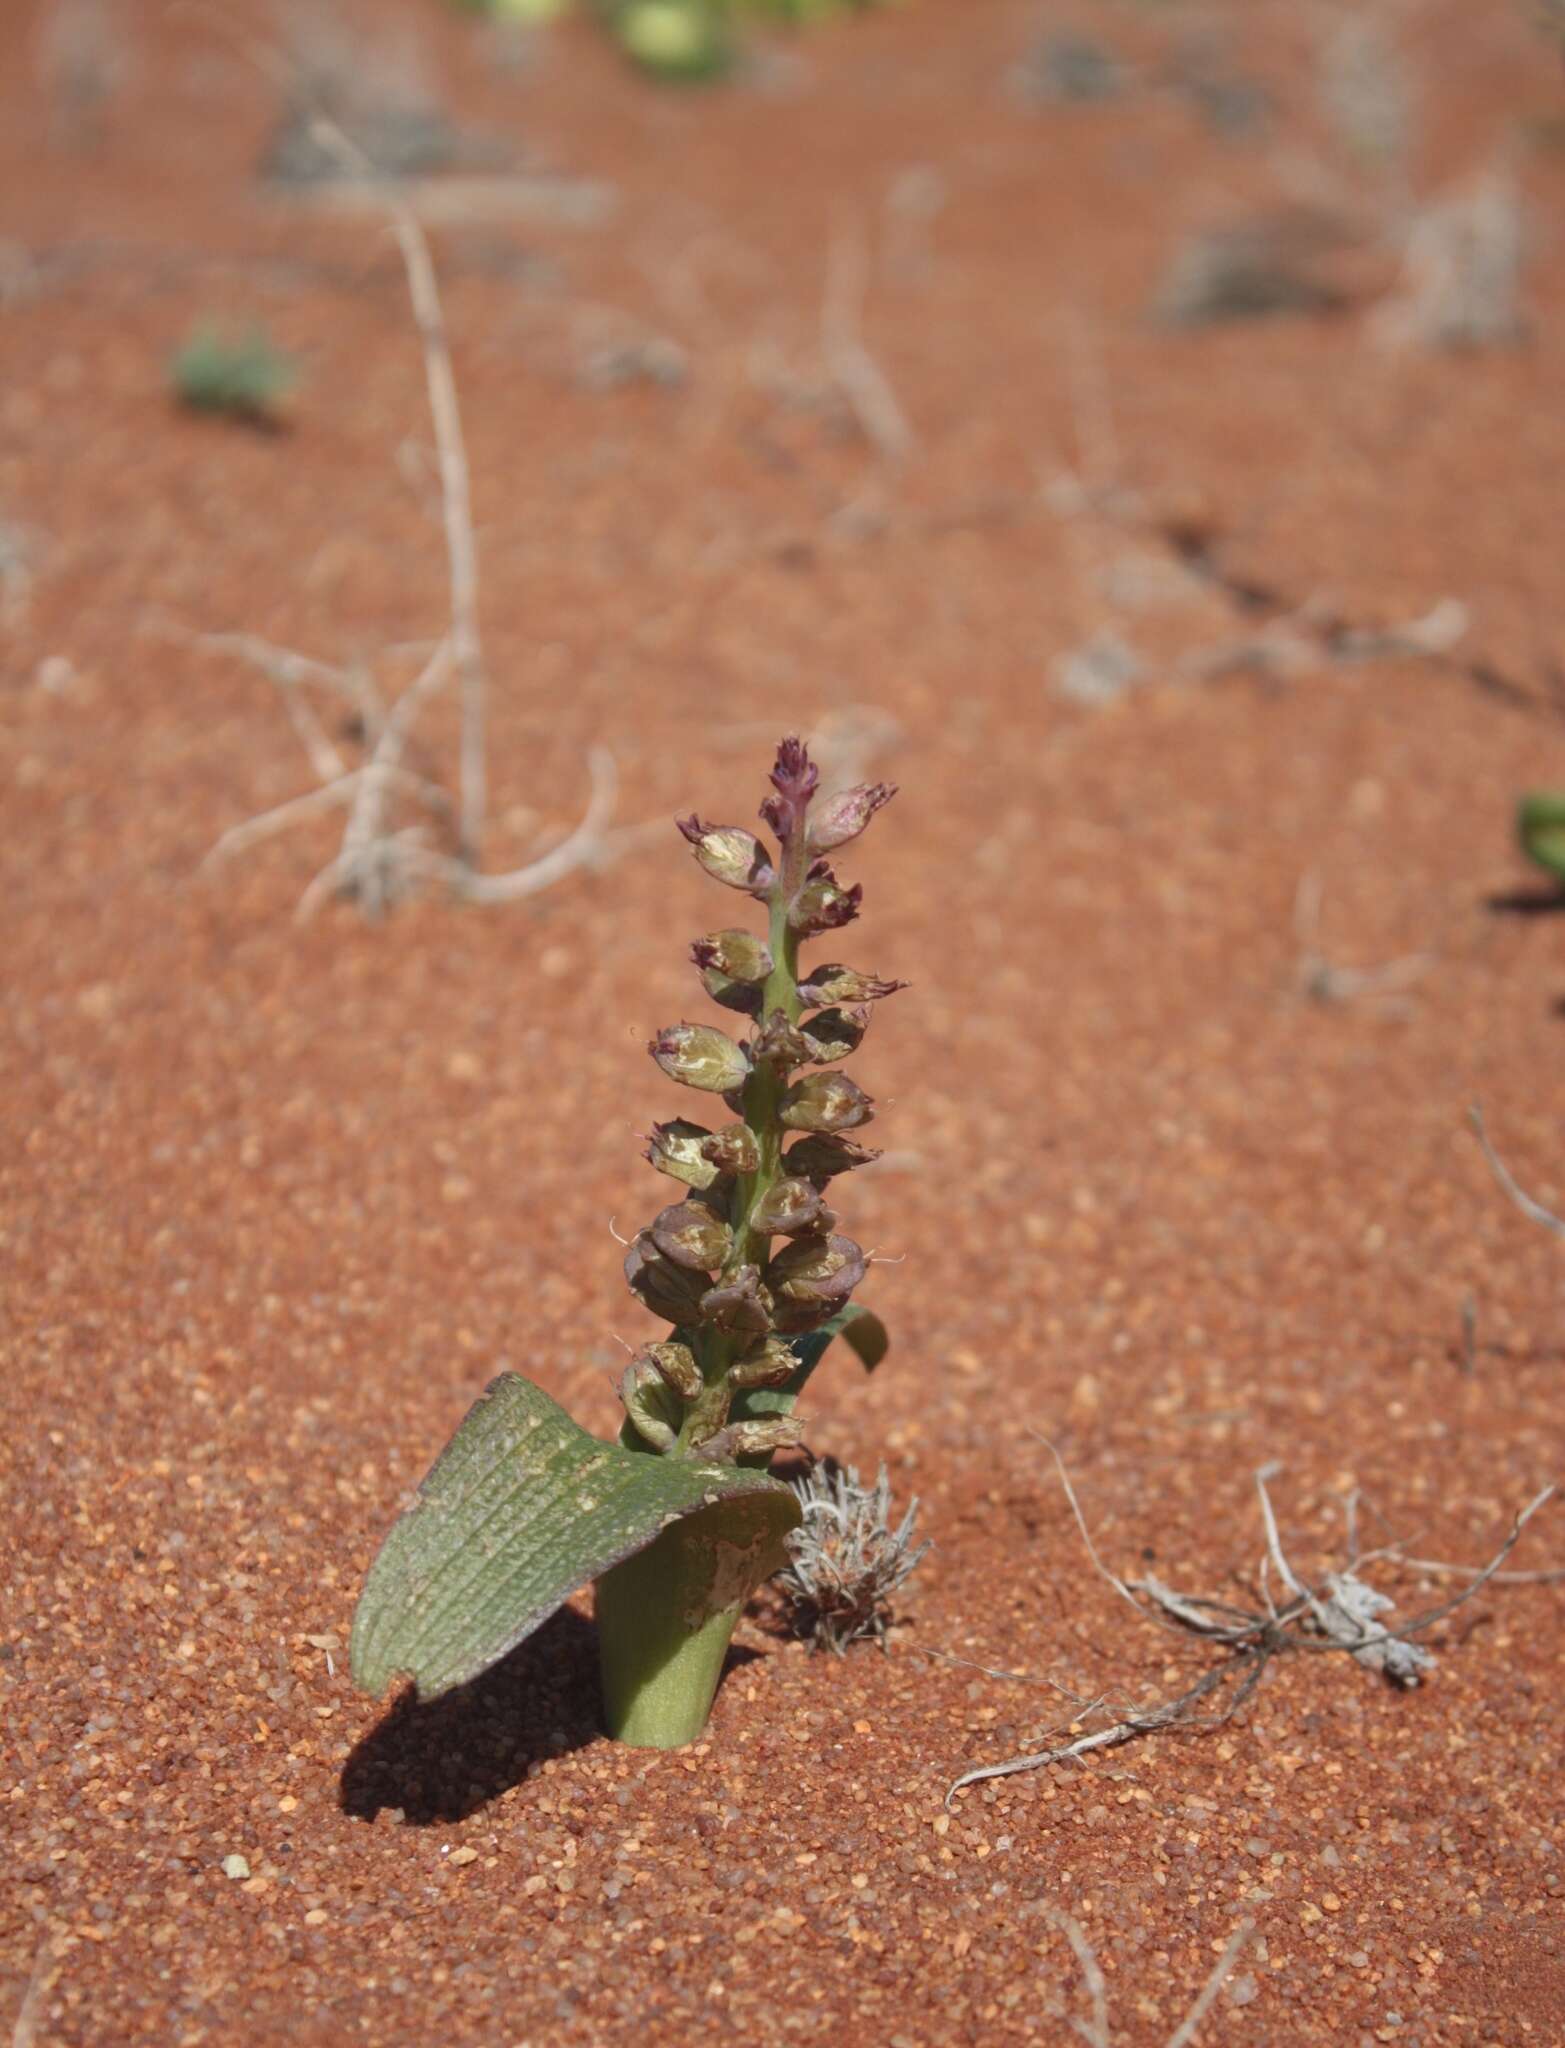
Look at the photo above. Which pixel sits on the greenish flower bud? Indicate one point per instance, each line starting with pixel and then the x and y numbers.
pixel 670 1291
pixel 729 855
pixel 690 1235
pixel 834 983
pixel 677 1364
pixel 844 816
pixel 700 1057
pixel 752 1439
pixel 677 1149
pixel 770 1364
pixel 654 1408
pixel 822 1158
pixel 833 1034
pixel 733 995
pixel 825 1102
pixel 779 1043
pixel 733 1150
pixel 741 956
pixel 733 965
pixel 816 1271
pixel 822 904
pixel 787 1208
pixel 739 1303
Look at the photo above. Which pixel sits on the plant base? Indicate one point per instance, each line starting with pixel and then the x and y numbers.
pixel 665 1619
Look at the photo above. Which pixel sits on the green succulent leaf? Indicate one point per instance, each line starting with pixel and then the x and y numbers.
pixel 864 1332
pixel 1540 827
pixel 520 1510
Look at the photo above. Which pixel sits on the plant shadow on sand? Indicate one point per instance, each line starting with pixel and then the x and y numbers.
pixel 439 1761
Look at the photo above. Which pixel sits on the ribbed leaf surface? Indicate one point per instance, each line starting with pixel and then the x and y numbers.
pixel 521 1508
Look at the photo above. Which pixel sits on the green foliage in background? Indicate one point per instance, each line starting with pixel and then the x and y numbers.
pixel 1540 830
pixel 240 375
pixel 678 40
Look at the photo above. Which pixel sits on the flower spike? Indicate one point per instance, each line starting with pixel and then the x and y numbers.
pixel 750 1263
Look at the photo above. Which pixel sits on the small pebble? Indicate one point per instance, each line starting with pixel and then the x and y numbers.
pixel 235 1867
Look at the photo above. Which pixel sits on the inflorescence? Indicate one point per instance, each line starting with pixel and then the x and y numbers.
pixel 706 1264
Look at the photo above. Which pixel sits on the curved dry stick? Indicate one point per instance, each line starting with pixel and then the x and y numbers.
pixel 1502 1174
pixel 576 851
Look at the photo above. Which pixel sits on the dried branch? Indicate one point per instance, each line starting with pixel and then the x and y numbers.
pixel 589 844
pixel 1184 2033
pixel 456 490
pixel 849 364
pixel 376 864
pixel 1095 2031
pixel 1322 981
pixel 1337 1614
pixel 1502 1174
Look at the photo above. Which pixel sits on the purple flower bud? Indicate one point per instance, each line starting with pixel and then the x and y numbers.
pixel 732 1149
pixel 752 1439
pixel 733 966
pixel 669 1291
pixel 794 778
pixel 677 1364
pixel 798 1318
pixel 843 817
pixel 767 1364
pixel 787 1208
pixel 729 854
pixel 677 1149
pixel 779 1043
pixel 738 1303
pixel 700 1057
pixel 655 1410
pixel 816 1271
pixel 838 984
pixel 821 1158
pixel 833 1034
pixel 822 905
pixel 825 1102
pixel 690 1235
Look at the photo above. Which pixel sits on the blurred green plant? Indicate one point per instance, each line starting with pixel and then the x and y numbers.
pixel 1540 830
pixel 241 376
pixel 677 40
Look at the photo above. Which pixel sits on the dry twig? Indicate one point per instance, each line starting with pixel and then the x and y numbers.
pixel 1502 1173
pixel 1322 981
pixel 1095 2031
pixel 376 864
pixel 1340 1613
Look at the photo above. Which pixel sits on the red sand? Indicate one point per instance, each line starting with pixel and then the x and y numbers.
pixel 278 1200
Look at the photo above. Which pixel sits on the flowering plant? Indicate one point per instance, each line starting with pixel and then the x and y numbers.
pixel 679 1521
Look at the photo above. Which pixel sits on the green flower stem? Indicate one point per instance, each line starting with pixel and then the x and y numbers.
pixel 661 1644
pixel 762 1093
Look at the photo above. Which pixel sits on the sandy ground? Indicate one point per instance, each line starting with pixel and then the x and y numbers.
pixel 277 1199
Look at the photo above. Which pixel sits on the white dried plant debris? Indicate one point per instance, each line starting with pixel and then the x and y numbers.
pixel 1349 1615
pixel 1099 672
pixel 847 1558
pixel 1365 93
pixel 1338 1612
pixel 1461 284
